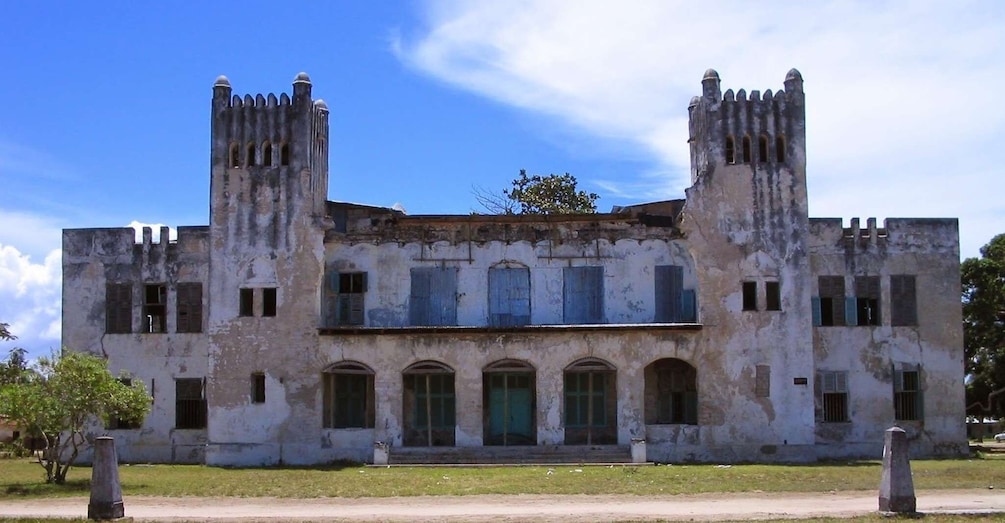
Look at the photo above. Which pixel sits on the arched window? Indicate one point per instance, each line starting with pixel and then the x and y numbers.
pixel 509 403
pixel 235 160
pixel 250 156
pixel 284 154
pixel 348 396
pixel 746 149
pixel 591 403
pixel 780 149
pixel 762 148
pixel 267 154
pixel 429 404
pixel 730 150
pixel 671 392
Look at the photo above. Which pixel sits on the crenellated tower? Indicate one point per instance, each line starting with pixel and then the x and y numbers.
pixel 269 160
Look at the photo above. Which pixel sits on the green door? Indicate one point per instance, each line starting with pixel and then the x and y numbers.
pixel 511 409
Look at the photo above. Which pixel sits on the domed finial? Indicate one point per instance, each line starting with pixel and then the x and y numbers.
pixel 694 101
pixel 710 86
pixel 711 74
pixel 794 74
pixel 221 81
pixel 320 104
pixel 302 77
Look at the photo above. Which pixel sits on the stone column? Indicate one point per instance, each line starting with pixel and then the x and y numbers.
pixel 106 492
pixel 896 488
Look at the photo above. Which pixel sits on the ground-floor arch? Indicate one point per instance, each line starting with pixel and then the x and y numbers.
pixel 509 403
pixel 428 405
pixel 591 403
pixel 671 392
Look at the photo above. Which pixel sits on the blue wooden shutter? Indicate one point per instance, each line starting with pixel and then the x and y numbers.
pixel 443 296
pixel 669 299
pixel 418 300
pixel 509 297
pixel 583 294
pixel 815 305
pixel 689 306
pixel 851 311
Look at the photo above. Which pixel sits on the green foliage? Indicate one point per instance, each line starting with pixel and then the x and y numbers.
pixel 5 334
pixel 552 194
pixel 60 397
pixel 15 368
pixel 983 282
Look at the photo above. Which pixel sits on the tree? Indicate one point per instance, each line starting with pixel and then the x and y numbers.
pixel 61 397
pixel 983 281
pixel 552 194
pixel 5 334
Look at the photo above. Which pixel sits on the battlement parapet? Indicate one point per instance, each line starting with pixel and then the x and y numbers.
pixel 920 235
pixel 119 245
pixel 734 128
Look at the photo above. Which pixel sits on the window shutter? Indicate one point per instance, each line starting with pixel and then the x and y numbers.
pixel 689 306
pixel 691 407
pixel 818 395
pixel 443 296
pixel 669 299
pixel 851 311
pixel 363 282
pixel 829 382
pixel 840 382
pixel 815 306
pixel 920 394
pixel 418 302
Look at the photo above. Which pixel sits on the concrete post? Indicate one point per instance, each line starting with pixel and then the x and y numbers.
pixel 896 488
pixel 106 492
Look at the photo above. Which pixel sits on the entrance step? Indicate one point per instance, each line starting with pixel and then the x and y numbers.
pixel 513 455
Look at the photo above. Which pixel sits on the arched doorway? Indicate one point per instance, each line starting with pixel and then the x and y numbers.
pixel 428 405
pixel 591 403
pixel 671 392
pixel 510 400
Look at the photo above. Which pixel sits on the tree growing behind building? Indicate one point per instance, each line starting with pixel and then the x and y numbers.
pixel 60 397
pixel 536 194
pixel 983 282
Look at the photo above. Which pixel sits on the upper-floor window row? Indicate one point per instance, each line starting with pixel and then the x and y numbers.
pixel 832 307
pixel 154 307
pixel 433 297
pixel 743 152
pixel 248 156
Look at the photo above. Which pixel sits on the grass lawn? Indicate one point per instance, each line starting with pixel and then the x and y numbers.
pixel 22 478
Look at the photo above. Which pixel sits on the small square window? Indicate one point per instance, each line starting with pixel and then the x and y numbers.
pixel 269 301
pixel 247 302
pixel 772 296
pixel 749 296
pixel 258 387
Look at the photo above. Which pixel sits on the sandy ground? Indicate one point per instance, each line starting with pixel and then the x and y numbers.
pixel 539 508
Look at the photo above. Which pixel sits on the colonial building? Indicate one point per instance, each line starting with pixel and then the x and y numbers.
pixel 726 326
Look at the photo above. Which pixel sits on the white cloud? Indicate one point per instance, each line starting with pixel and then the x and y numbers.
pixel 900 96
pixel 35 235
pixel 30 300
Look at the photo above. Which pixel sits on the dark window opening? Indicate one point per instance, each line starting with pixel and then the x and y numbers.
pixel 780 149
pixel 730 150
pixel 258 387
pixel 189 307
pixel 746 149
pixel 829 306
pixel 772 296
pixel 269 301
pixel 284 154
pixel 907 395
pixel 190 403
pixel 348 397
pixel 234 156
pixel 866 301
pixel 351 291
pixel 903 300
pixel 671 392
pixel 267 154
pixel 118 308
pixel 155 308
pixel 247 306
pixel 117 423
pixel 430 405
pixel 833 387
pixel 762 148
pixel 674 303
pixel 749 296
pixel 250 156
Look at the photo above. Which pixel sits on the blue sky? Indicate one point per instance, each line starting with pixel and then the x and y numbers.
pixel 106 114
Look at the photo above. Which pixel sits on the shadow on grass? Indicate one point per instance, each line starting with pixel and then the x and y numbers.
pixel 333 466
pixel 72 486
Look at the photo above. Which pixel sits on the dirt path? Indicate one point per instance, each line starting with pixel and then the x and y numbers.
pixel 513 508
